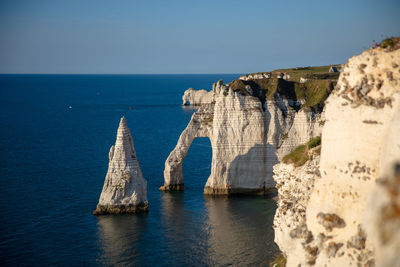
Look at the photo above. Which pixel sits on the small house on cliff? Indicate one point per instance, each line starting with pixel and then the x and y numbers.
pixel 333 69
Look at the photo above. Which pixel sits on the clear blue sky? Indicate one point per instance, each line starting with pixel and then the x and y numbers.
pixel 116 36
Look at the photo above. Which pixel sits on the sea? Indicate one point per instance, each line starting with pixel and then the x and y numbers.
pixel 55 135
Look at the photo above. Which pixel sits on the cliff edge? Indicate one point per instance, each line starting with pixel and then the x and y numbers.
pixel 251 124
pixel 349 213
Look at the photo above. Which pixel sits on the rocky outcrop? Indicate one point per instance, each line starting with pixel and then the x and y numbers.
pixel 125 189
pixel 245 136
pixel 303 126
pixel 255 76
pixel 383 214
pixel 303 80
pixel 196 97
pixel 236 130
pixel 383 218
pixel 360 144
pixel 294 189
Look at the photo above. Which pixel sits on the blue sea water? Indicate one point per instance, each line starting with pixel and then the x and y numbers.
pixel 53 164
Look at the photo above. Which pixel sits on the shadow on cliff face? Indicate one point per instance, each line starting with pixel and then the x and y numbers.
pixel 249 173
pixel 252 172
pixel 314 92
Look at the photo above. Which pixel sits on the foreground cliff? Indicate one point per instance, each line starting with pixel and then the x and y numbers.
pixel 344 209
pixel 125 189
pixel 251 124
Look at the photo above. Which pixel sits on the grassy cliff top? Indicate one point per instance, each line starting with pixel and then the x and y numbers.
pixel 319 72
pixel 301 154
pixel 313 93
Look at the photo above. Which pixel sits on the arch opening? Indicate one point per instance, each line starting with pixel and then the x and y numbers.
pixel 196 166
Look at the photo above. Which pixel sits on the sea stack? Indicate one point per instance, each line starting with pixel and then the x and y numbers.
pixel 125 189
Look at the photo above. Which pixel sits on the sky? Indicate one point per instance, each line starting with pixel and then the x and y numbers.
pixel 187 36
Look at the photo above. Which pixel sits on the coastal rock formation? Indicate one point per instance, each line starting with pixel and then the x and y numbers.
pixel 125 189
pixel 196 97
pixel 303 126
pixel 383 213
pixel 255 76
pixel 294 188
pixel 245 136
pixel 303 80
pixel 360 144
pixel 236 130
pixel 383 218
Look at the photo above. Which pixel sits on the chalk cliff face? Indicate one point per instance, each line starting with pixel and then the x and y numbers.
pixel 197 97
pixel 303 126
pixel 360 143
pixel 383 218
pixel 236 130
pixel 245 139
pixel 125 189
pixel 294 188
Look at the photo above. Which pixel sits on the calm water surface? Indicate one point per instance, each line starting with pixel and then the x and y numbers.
pixel 53 164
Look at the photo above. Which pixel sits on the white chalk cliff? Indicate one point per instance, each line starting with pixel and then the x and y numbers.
pixel 196 97
pixel 125 189
pixel 294 185
pixel 245 137
pixel 346 212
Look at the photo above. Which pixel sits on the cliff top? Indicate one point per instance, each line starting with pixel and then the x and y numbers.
pixel 317 72
pixel 309 85
pixel 312 93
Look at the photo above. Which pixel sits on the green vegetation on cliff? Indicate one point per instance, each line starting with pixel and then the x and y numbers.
pixel 313 93
pixel 279 261
pixel 391 43
pixel 319 72
pixel 300 154
pixel 316 141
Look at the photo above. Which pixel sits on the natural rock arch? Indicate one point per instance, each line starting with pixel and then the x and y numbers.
pixel 197 127
pixel 247 140
pixel 235 125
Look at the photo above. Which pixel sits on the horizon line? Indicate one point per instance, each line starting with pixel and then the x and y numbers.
pixel 23 73
pixel 216 73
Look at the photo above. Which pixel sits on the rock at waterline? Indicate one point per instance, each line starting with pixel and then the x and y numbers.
pixel 125 189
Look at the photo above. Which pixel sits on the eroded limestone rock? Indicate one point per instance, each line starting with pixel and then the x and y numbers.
pixel 246 138
pixel 383 215
pixel 196 97
pixel 360 143
pixel 294 187
pixel 255 76
pixel 235 126
pixel 125 189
